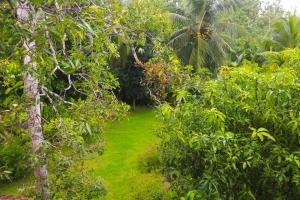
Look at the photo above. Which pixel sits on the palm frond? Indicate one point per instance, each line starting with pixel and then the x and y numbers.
pixel 179 19
pixel 230 27
pixel 223 40
pixel 200 38
pixel 286 33
pixel 218 48
pixel 180 38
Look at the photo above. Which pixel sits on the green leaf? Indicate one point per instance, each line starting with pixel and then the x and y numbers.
pixel 88 128
pixel 268 136
pixel 8 90
pixel 261 133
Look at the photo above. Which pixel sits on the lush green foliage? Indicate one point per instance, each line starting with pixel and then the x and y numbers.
pixel 286 34
pixel 72 50
pixel 75 183
pixel 237 137
pixel 150 160
pixel 256 23
pixel 131 89
pixel 200 38
pixel 149 188
pixel 138 31
pixel 14 160
pixel 227 135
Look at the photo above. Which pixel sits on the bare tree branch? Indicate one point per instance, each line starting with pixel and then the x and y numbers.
pixel 57 96
pixel 136 58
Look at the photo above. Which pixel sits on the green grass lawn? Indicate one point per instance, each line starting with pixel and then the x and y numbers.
pixel 125 141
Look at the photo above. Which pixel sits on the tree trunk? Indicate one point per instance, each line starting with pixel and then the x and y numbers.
pixel 133 104
pixel 31 88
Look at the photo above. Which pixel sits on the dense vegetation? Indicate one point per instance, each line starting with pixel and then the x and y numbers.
pixel 223 75
pixel 237 137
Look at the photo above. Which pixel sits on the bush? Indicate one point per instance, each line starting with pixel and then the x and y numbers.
pixel 149 187
pixel 72 185
pixel 150 161
pixel 238 136
pixel 14 158
pixel 69 180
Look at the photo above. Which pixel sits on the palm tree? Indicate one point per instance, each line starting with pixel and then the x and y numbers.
pixel 201 38
pixel 286 34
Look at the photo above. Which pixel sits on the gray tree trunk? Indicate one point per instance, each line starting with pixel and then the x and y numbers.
pixel 25 15
pixel 133 104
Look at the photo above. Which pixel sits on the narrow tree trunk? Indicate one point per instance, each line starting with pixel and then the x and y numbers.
pixel 133 104
pixel 31 85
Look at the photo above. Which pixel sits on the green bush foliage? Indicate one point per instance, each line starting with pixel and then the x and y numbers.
pixel 14 158
pixel 150 160
pixel 70 181
pixel 75 82
pixel 149 187
pixel 237 136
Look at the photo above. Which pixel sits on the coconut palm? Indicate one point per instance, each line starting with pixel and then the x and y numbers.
pixel 286 34
pixel 201 38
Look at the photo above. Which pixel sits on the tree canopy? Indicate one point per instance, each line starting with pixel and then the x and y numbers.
pixel 222 76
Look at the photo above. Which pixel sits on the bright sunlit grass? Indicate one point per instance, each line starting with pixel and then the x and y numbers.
pixel 124 143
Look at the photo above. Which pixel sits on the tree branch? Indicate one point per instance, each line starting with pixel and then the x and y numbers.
pixel 57 96
pixel 136 58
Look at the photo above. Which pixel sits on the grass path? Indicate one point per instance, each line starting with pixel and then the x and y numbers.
pixel 125 141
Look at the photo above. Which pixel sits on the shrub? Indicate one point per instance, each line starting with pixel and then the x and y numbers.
pixel 14 158
pixel 238 136
pixel 149 160
pixel 72 185
pixel 69 180
pixel 149 187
